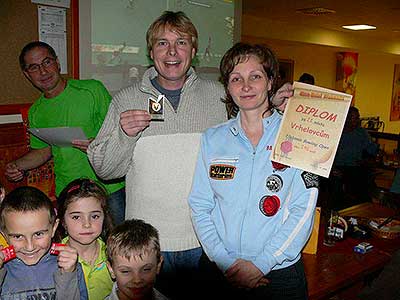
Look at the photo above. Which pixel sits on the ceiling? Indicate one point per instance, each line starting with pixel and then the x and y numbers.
pixel 384 14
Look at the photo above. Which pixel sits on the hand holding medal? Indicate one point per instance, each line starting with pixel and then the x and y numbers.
pixel 134 121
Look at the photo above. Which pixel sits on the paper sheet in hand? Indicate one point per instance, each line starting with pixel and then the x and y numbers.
pixel 311 128
pixel 59 136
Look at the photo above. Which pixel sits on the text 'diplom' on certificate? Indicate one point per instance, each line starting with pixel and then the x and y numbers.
pixel 311 128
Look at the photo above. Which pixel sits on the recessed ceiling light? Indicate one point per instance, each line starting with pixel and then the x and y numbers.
pixel 359 27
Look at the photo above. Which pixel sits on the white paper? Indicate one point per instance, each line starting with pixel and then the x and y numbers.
pixel 60 3
pixel 7 119
pixel 59 136
pixel 311 128
pixel 53 31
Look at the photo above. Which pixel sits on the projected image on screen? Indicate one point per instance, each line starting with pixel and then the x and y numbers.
pixel 113 36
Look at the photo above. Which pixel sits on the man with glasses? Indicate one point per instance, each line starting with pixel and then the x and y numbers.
pixel 63 103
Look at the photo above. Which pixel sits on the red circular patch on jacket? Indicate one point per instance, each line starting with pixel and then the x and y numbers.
pixel 278 166
pixel 269 205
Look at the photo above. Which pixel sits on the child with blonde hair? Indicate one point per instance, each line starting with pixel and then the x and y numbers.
pixel 134 260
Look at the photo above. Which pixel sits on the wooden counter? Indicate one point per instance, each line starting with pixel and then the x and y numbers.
pixel 338 270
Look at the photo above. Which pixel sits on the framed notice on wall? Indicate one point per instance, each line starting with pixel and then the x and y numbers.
pixel 395 103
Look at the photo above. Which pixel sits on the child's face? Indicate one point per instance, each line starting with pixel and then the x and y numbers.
pixel 135 277
pixel 30 233
pixel 83 220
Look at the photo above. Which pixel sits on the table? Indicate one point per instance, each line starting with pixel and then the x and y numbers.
pixel 338 270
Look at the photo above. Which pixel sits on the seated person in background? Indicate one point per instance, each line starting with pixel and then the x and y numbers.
pixel 350 179
pixel 307 78
pixel 134 260
pixel 28 220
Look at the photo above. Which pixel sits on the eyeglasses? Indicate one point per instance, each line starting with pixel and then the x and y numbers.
pixel 46 63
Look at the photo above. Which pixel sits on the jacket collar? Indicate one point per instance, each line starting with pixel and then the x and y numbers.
pixel 152 73
pixel 236 126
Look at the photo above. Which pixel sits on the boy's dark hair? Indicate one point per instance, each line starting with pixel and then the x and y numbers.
pixel 178 22
pixel 84 188
pixel 24 199
pixel 239 53
pixel 131 238
pixel 307 78
pixel 35 44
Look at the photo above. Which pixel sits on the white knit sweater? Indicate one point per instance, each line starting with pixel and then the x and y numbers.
pixel 159 164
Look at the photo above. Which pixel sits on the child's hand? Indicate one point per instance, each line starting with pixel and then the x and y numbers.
pixel 67 258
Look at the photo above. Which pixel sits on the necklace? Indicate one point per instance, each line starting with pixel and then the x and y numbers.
pixel 92 259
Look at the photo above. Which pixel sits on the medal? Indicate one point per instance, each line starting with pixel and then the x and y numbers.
pixel 156 108
pixel 269 205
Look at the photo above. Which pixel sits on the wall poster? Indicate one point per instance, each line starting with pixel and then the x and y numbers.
pixel 346 73
pixel 395 103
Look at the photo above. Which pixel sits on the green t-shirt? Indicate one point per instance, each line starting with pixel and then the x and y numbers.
pixel 83 103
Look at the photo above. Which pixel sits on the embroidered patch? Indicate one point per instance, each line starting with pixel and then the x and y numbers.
pixel 269 205
pixel 278 166
pixel 222 172
pixel 310 180
pixel 274 183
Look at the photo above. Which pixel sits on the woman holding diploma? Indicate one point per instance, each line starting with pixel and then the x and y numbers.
pixel 252 216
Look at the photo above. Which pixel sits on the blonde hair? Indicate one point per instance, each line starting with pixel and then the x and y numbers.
pixel 133 238
pixel 176 21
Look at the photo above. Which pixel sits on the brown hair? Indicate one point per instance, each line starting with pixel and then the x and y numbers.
pixel 176 21
pixel 24 199
pixel 84 188
pixel 240 53
pixel 133 236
